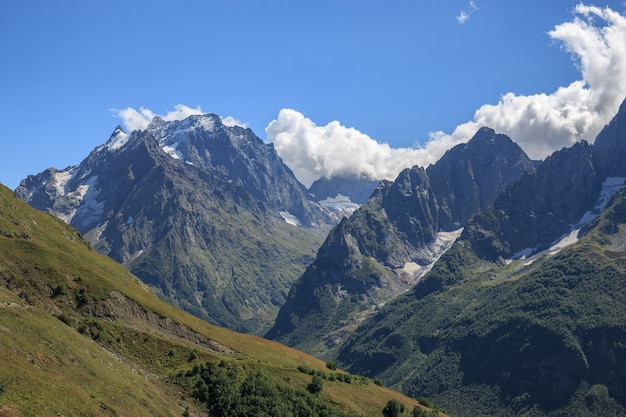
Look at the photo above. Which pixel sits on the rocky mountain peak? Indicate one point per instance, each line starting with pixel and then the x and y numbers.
pixel 610 146
pixel 186 205
pixel 470 176
pixel 117 139
pixel 393 239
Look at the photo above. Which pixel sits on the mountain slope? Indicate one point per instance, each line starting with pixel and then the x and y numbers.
pixel 540 208
pixel 544 337
pixel 79 335
pixel 523 315
pixel 391 241
pixel 186 206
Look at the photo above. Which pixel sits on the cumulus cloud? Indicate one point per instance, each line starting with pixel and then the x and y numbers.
pixel 134 119
pixel 313 151
pixel 543 123
pixel 539 123
pixel 231 121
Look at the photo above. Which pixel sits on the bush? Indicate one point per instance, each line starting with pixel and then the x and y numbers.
pixel 393 408
pixel 331 365
pixel 65 319
pixel 425 402
pixel 315 387
pixel 235 390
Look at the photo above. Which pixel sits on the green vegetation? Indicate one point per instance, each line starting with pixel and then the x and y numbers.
pixel 74 321
pixel 542 338
pixel 231 389
pixel 393 409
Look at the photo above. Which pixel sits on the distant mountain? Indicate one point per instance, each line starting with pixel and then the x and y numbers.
pixel 196 209
pixel 523 315
pixel 79 335
pixel 392 240
pixel 341 196
pixel 357 190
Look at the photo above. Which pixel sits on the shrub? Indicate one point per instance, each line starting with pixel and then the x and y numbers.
pixel 425 402
pixel 315 387
pixel 331 365
pixel 65 319
pixel 393 408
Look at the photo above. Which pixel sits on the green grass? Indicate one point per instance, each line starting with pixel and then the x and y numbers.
pixel 79 335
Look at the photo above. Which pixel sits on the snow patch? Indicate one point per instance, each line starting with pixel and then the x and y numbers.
pixel 60 179
pixel 442 243
pixel 207 123
pixel 172 150
pixel 81 204
pixel 100 230
pixel 563 242
pixel 130 220
pixel 119 139
pixel 610 186
pixel 523 254
pixel 90 210
pixel 339 203
pixel 290 218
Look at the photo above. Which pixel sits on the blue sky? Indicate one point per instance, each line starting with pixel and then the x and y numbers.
pixel 399 80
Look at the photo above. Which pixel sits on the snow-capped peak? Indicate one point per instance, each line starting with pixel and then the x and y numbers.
pixel 117 139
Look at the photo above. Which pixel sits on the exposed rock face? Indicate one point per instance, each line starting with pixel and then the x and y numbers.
pixel 546 204
pixel 358 190
pixel 390 241
pixel 469 177
pixel 539 208
pixel 488 331
pixel 609 148
pixel 192 208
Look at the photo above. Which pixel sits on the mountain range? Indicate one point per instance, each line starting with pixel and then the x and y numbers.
pixel 487 282
pixel 200 211
pixel 393 239
pixel 81 336
pixel 521 315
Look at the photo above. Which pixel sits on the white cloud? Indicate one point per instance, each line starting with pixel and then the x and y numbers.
pixel 543 123
pixel 134 119
pixel 231 121
pixel 462 17
pixel 540 123
pixel 313 151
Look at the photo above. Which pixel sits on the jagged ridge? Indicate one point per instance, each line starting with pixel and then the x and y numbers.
pixel 186 206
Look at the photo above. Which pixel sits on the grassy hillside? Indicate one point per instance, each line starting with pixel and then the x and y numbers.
pixel 79 335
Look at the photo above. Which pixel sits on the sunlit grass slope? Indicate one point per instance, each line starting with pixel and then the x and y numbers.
pixel 79 335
